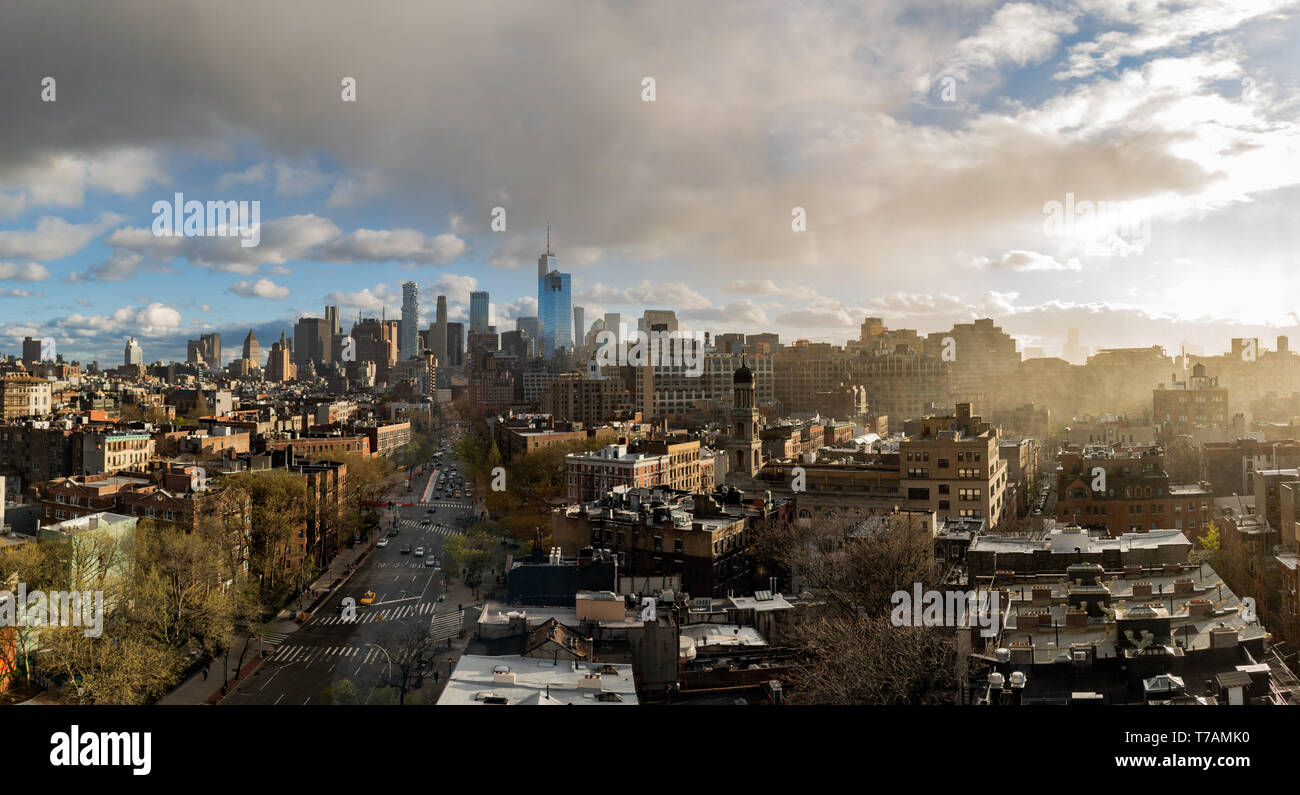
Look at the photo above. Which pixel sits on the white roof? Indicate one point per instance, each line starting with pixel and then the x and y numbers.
pixel 536 681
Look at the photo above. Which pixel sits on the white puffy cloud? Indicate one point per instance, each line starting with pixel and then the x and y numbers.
pixel 24 272
pixel 262 288
pixel 54 238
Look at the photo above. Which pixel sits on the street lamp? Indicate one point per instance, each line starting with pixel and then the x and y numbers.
pixel 387 655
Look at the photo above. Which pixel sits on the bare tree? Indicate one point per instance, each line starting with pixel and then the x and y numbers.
pixel 855 654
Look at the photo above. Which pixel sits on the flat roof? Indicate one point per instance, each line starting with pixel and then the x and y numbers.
pixel 536 682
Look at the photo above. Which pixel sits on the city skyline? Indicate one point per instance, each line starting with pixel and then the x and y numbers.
pixel 924 170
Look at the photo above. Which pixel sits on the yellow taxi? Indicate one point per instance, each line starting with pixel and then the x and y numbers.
pixel 368 598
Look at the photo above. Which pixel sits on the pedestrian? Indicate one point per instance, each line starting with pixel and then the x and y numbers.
pixel 205 673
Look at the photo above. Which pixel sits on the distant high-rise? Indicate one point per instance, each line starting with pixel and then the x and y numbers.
pixel 205 349
pixel 455 344
pixel 252 350
pixel 332 318
pixel 1072 351
pixel 479 311
pixel 666 318
pixel 554 303
pixel 312 341
pixel 134 354
pixel 439 331
pixel 579 324
pixel 279 365
pixel 408 341
pixel 376 341
pixel 31 351
pixel 614 325
pixel 556 314
pixel 529 324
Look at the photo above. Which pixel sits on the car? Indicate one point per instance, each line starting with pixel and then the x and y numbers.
pixel 383 542
pixel 368 598
pixel 406 550
pixel 392 533
pixel 430 511
pixel 430 562
pixel 419 552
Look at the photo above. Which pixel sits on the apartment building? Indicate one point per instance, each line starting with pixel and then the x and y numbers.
pixel 952 465
pixel 660 532
pixel 1198 402
pixel 1137 495
pixel 24 396
pixel 110 451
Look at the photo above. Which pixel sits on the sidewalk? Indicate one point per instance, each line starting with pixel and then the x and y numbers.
pixel 457 594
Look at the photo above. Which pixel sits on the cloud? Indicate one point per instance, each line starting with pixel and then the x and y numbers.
pixel 647 294
pixel 54 238
pixel 758 287
pixel 151 319
pixel 368 299
pixel 262 288
pixel 15 293
pixel 381 245
pixel 1027 261
pixel 28 272
pixel 62 179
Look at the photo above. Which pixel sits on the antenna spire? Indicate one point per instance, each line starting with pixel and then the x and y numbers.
pixel 548 238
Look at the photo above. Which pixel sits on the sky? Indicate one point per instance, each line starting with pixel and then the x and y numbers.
pixel 942 157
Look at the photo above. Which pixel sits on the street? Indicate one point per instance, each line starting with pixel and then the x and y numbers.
pixel 333 646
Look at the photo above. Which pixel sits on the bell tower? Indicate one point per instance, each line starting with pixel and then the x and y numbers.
pixel 744 449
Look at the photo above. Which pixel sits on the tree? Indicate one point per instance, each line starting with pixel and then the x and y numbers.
pixel 474 552
pixel 341 692
pixel 277 500
pixel 856 654
pixel 408 657
pixel 176 590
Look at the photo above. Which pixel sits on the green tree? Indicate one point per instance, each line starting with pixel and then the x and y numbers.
pixel 341 692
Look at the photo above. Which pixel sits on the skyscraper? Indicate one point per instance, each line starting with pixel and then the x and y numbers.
pixel 133 354
pixel 408 341
pixel 312 341
pixel 279 365
pixel 455 344
pixel 252 350
pixel 554 303
pixel 545 264
pixel 439 331
pixel 332 318
pixel 206 349
pixel 533 327
pixel 579 325
pixel 479 312
pixel 614 325
pixel 31 350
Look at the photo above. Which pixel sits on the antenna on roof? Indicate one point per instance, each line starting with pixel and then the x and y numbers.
pixel 548 238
